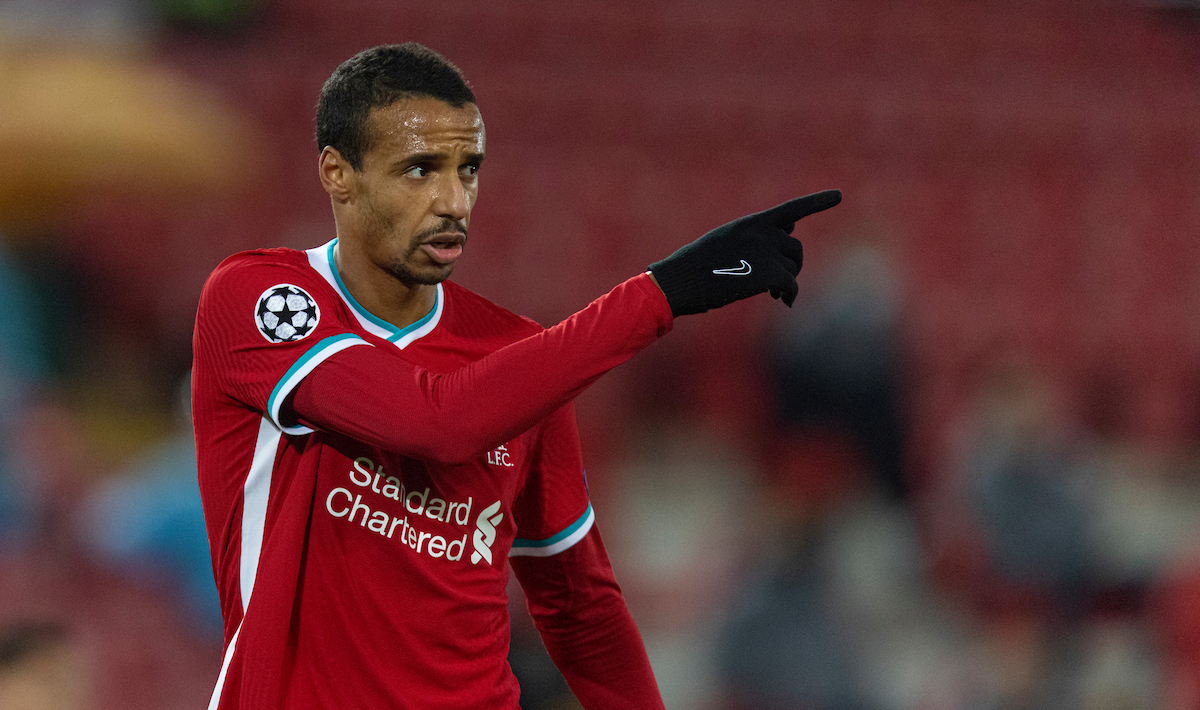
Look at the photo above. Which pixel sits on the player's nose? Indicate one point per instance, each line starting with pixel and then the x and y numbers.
pixel 452 200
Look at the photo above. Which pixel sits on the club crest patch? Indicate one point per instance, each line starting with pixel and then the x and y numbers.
pixel 286 313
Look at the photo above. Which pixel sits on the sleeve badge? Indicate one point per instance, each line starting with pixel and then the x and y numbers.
pixel 286 313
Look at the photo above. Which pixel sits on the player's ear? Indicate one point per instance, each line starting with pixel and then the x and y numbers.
pixel 336 174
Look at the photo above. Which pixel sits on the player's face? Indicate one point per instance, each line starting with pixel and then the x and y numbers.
pixel 414 195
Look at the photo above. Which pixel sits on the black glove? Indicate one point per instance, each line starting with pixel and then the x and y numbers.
pixel 740 259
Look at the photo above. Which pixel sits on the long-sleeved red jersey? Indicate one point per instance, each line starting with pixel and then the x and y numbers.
pixel 364 485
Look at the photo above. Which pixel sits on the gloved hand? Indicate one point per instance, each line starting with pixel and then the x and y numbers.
pixel 737 260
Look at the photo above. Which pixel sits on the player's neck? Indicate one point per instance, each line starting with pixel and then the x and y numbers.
pixel 381 293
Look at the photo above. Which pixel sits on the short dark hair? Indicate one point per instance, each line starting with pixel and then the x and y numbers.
pixel 378 77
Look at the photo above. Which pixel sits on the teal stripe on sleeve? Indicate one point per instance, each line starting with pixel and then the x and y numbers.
pixel 564 534
pixel 303 365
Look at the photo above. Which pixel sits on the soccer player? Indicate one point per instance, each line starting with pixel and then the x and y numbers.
pixel 377 445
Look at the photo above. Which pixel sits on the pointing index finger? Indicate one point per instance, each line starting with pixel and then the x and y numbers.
pixel 792 211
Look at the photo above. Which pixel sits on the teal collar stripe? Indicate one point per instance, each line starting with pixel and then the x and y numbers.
pixel 566 532
pixel 304 365
pixel 395 333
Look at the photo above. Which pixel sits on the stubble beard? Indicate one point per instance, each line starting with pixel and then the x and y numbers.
pixel 405 275
pixel 398 267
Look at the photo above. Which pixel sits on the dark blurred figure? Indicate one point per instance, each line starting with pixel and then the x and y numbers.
pixel 838 363
pixel 1030 489
pixel 784 648
pixel 788 644
pixel 1031 497
pixel 835 472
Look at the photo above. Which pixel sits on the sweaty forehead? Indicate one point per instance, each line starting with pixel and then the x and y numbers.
pixel 425 125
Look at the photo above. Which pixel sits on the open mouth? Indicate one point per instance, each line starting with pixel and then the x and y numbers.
pixel 444 249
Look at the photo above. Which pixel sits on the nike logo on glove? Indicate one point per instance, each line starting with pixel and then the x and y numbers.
pixel 742 270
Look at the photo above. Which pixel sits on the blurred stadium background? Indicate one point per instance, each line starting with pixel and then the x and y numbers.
pixel 962 473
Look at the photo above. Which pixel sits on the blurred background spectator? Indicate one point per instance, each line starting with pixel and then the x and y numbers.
pixel 961 474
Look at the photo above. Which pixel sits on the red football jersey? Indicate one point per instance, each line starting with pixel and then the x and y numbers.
pixel 357 567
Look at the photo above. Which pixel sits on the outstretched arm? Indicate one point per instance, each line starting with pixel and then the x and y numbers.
pixel 587 629
pixel 381 399
pixel 375 396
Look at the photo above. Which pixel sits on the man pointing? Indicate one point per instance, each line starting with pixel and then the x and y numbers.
pixel 377 445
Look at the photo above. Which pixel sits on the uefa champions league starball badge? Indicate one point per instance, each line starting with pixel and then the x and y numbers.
pixel 286 313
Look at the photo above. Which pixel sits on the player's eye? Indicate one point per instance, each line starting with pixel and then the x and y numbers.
pixel 469 170
pixel 418 171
